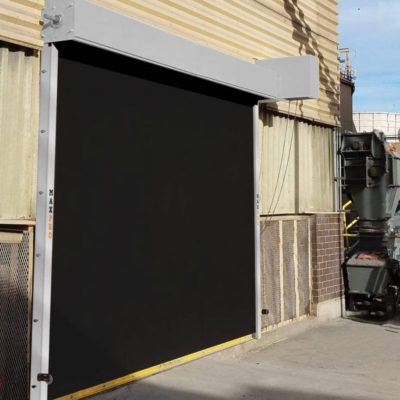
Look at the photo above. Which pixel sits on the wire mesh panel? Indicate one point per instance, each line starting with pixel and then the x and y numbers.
pixel 287 268
pixel 15 301
pixel 270 264
pixel 304 266
pixel 289 289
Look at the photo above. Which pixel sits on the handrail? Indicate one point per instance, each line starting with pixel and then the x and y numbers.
pixel 347 204
pixel 346 226
pixel 352 223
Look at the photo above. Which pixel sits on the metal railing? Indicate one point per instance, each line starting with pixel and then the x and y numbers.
pixel 346 226
pixel 348 72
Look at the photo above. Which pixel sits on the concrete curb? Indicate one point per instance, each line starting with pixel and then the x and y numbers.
pixel 274 336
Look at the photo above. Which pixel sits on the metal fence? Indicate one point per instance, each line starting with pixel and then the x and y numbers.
pixel 15 309
pixel 286 269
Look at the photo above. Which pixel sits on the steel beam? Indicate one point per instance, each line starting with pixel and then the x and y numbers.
pixel 291 78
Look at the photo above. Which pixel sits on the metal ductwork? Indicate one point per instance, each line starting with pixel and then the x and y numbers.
pixel 371 179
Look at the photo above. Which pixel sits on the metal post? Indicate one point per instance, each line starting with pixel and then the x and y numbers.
pixel 257 222
pixel 44 225
pixel 335 169
pixel 339 170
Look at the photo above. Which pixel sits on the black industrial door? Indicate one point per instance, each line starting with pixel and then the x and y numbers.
pixel 154 218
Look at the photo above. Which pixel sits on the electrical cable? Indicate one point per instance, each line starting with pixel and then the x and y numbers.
pixel 286 168
pixel 287 163
pixel 280 166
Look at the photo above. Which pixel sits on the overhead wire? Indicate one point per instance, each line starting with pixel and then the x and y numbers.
pixel 287 163
pixel 280 167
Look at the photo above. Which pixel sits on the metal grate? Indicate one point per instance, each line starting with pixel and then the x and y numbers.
pixel 273 258
pixel 271 292
pixel 289 289
pixel 304 266
pixel 15 302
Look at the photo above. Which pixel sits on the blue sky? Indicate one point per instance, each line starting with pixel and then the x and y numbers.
pixel 371 29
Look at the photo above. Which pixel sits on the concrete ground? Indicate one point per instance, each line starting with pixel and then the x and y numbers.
pixel 342 360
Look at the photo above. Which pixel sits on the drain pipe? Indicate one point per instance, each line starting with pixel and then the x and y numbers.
pixel 336 193
pixel 335 169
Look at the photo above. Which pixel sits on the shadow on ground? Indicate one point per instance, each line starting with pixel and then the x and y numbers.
pixel 385 322
pixel 344 360
pixel 146 391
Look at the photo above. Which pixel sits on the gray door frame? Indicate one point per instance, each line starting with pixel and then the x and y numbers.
pixel 44 223
pixel 83 21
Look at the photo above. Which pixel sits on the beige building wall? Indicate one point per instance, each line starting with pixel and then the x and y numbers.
pixel 21 23
pixel 296 166
pixel 20 42
pixel 248 29
pixel 254 30
pixel 19 115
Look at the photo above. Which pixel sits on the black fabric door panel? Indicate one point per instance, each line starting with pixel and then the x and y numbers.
pixel 153 219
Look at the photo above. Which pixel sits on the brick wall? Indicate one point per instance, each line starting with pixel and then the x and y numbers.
pixel 327 256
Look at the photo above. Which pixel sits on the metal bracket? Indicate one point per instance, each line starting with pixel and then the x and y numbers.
pixel 56 20
pixel 45 378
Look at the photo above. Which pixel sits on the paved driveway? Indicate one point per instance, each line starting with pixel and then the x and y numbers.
pixel 343 360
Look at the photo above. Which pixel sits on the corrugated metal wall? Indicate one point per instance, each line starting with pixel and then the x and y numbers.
pixel 249 29
pixel 256 29
pixel 19 115
pixel 20 22
pixel 296 164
